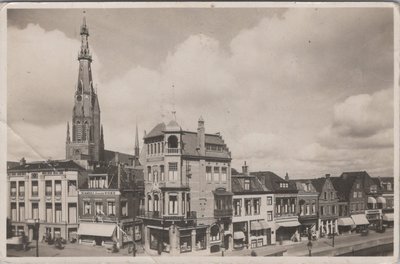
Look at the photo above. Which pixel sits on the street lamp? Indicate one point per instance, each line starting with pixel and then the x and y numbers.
pixel 309 246
pixel 37 236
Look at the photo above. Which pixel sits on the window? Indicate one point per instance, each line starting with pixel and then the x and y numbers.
pixel 269 216
pixel 124 208
pixel 156 203
pixel 155 175
pixel 354 194
pixel 307 209
pixel 237 207
pixel 87 210
pixel 269 200
pixel 72 188
pixel 247 185
pixel 13 212
pixel 35 188
pixel 35 211
pixel 58 212
pixel 223 174
pixel 111 208
pixel 359 194
pixel 48 189
pixel 21 188
pixel 256 205
pixel 149 203
pixel 325 196
pixel 389 186
pixel 148 149
pixel 173 204
pixel 21 212
pixel 99 208
pixel 172 142
pixel 173 171
pixel 313 208
pixel 214 233
pixel 208 173
pixel 357 186
pixel 149 173
pixel 321 210
pixel 49 213
pixel 333 209
pixel 162 173
pixel 216 174
pixel 373 188
pixel 57 188
pixel 332 195
pixel 247 205
pixel 13 191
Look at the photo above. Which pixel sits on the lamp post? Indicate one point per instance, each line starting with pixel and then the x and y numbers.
pixel 333 239
pixel 309 246
pixel 222 241
pixel 37 236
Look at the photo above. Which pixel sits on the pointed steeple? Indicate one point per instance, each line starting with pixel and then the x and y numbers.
pixel 85 52
pixel 136 143
pixel 68 136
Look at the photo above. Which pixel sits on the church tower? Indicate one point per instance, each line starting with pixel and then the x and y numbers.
pixel 87 141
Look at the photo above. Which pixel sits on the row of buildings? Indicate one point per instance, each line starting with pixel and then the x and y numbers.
pixel 179 193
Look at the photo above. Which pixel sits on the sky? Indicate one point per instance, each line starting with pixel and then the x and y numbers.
pixel 307 91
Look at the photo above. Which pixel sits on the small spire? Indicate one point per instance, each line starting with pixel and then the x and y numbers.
pixel 68 137
pixel 137 138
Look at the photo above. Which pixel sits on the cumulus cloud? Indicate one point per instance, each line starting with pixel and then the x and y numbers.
pixel 283 99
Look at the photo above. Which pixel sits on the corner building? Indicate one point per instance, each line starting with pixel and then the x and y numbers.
pixel 188 199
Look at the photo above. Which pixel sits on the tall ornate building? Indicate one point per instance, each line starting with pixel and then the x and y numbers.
pixel 87 142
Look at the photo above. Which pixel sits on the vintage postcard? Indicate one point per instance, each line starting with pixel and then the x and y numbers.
pixel 216 132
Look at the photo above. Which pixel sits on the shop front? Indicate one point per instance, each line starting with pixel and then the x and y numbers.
pixel 345 225
pixel 360 221
pixel 159 239
pixel 97 233
pixel 373 216
pixel 388 219
pixel 287 230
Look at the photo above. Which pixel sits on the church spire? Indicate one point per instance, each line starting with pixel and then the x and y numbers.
pixel 85 52
pixel 137 142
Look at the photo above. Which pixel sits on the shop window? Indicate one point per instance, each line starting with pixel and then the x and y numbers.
pixel 201 239
pixel 185 242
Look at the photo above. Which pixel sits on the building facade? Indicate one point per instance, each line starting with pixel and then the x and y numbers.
pixel 307 203
pixel 108 206
pixel 45 191
pixel 253 212
pixel 286 211
pixel 328 206
pixel 188 202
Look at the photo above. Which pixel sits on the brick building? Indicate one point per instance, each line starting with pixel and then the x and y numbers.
pixel 188 199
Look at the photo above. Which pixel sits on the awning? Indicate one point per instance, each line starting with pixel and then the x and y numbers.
pixel 292 223
pixel 360 219
pixel 238 235
pixel 345 221
pixel 371 200
pixel 255 225
pixel 388 217
pixel 222 192
pixel 381 200
pixel 264 224
pixel 96 229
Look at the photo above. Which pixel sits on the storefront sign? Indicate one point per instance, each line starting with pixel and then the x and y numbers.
pixel 99 192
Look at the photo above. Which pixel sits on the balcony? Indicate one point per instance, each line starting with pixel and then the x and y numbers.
pixel 173 151
pixel 220 213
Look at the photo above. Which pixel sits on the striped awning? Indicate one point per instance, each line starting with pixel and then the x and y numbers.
pixel 371 200
pixel 238 235
pixel 380 199
pixel 360 219
pixel 255 225
pixel 388 217
pixel 345 221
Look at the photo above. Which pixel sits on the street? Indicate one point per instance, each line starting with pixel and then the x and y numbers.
pixel 295 249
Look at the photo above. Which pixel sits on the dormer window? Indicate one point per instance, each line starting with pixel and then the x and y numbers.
pixel 373 188
pixel 389 186
pixel 283 185
pixel 247 185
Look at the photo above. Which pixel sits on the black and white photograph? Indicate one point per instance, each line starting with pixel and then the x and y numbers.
pixel 209 130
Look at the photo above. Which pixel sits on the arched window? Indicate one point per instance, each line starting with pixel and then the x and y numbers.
pixel 78 130
pixel 172 142
pixel 214 233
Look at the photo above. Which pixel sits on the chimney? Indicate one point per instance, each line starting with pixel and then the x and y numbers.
pixel 327 175
pixel 201 137
pixel 22 161
pixel 286 177
pixel 245 169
